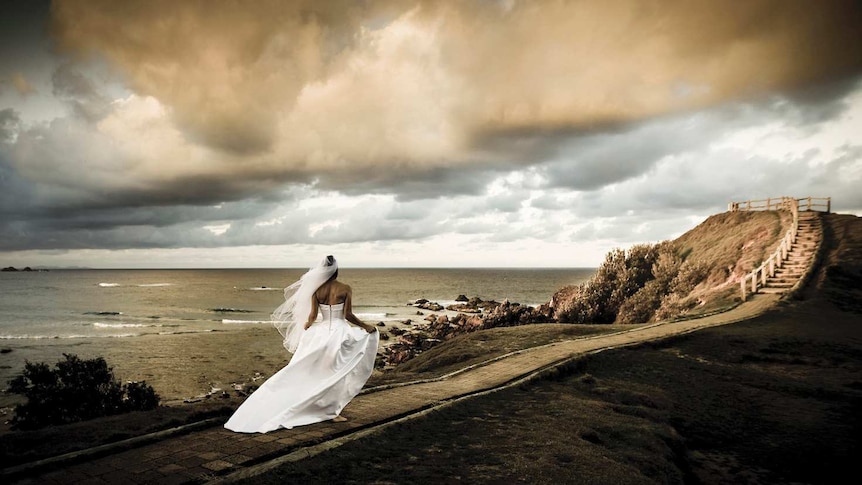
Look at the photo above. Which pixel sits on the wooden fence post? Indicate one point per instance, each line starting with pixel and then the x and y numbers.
pixel 742 287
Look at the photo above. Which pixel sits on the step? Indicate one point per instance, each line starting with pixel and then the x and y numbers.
pixel 789 274
pixel 783 279
pixel 800 252
pixel 779 285
pixel 771 290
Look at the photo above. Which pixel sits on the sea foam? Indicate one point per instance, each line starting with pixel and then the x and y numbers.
pixel 44 337
pixel 122 325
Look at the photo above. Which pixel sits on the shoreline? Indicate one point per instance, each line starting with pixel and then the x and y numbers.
pixel 184 366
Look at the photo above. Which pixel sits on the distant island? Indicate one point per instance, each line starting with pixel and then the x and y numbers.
pixel 26 268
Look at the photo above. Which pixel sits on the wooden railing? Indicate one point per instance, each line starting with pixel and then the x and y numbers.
pixel 757 278
pixel 821 204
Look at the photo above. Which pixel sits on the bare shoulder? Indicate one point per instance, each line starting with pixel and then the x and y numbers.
pixel 343 289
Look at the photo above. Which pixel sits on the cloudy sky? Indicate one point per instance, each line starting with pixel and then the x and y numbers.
pixel 398 133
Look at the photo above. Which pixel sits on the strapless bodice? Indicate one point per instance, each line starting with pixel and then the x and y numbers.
pixel 332 312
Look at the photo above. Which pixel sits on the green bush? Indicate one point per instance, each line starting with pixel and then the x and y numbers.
pixel 640 307
pixel 620 276
pixel 75 390
pixel 634 286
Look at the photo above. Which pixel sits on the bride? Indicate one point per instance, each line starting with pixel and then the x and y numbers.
pixel 331 359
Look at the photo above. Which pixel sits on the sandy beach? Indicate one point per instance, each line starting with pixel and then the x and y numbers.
pixel 177 366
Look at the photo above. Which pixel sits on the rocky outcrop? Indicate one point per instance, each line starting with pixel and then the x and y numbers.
pixel 436 328
pixel 472 305
pixel 428 305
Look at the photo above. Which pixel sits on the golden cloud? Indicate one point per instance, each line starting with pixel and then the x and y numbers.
pixel 307 85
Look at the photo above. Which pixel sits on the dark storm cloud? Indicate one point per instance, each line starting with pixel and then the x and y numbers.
pixel 9 122
pixel 613 105
pixel 542 65
pixel 591 162
pixel 24 28
pixel 76 89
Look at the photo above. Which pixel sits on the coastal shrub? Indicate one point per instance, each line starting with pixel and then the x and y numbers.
pixel 641 306
pixel 75 390
pixel 635 286
pixel 621 275
pixel 679 300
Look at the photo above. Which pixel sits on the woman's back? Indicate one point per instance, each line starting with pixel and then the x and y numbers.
pixel 332 293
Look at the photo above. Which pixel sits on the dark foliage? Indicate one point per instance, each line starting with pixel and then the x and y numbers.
pixel 75 390
pixel 631 286
pixel 620 276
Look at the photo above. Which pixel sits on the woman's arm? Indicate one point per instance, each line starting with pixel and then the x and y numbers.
pixel 350 317
pixel 312 315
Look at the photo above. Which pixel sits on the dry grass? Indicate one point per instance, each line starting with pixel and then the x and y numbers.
pixel 730 244
pixel 734 243
pixel 772 400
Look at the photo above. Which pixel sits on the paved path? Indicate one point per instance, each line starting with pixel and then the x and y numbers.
pixel 217 454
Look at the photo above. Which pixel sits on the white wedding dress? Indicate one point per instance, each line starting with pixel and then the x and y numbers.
pixel 331 364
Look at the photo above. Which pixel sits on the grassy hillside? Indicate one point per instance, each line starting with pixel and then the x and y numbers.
pixel 696 273
pixel 727 245
pixel 775 399
pixel 731 244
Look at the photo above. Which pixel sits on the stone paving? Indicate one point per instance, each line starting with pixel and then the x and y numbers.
pixel 214 453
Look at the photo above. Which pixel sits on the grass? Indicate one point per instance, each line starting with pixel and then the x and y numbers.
pixel 776 400
pixel 19 447
pixel 731 244
pixel 773 399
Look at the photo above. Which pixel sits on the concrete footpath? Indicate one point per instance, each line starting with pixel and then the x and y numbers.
pixel 214 454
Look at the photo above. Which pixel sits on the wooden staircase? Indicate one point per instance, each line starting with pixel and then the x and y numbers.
pixel 799 257
pixel 783 270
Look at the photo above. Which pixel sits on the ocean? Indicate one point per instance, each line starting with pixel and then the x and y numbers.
pixel 43 314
